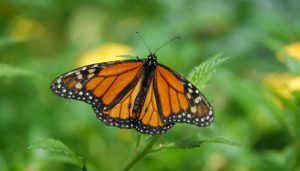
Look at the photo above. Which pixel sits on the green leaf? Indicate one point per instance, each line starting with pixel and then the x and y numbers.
pixel 11 71
pixel 197 141
pixel 59 147
pixel 201 74
pixel 194 141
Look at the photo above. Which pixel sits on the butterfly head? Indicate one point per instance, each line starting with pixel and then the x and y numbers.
pixel 152 56
pixel 151 61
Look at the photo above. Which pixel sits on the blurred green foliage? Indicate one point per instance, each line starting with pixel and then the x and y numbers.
pixel 40 40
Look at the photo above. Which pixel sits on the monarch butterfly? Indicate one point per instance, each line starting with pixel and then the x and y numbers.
pixel 138 94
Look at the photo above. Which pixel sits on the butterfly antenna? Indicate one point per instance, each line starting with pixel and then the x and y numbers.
pixel 144 42
pixel 177 37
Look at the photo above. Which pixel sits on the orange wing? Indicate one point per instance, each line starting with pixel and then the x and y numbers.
pixel 180 101
pixel 121 115
pixel 102 85
pixel 150 120
pixel 110 87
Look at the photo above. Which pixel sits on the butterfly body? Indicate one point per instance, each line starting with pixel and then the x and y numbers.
pixel 150 66
pixel 136 94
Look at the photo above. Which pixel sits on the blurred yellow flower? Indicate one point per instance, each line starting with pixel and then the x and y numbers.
pixel 23 28
pixel 282 83
pixel 106 52
pixel 292 50
pixel 217 161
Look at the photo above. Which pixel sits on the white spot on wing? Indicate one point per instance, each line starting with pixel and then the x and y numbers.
pixel 198 99
pixel 91 75
pixel 92 70
pixel 189 96
pixel 193 109
pixel 78 85
pixel 79 76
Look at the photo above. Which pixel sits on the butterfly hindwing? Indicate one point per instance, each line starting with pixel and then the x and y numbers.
pixel 179 100
pixel 121 115
pixel 150 120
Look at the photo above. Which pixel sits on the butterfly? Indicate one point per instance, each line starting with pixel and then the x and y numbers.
pixel 138 94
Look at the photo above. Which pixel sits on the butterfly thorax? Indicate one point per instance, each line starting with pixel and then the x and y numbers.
pixel 150 66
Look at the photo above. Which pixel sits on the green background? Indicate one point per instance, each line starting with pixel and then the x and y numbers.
pixel 250 32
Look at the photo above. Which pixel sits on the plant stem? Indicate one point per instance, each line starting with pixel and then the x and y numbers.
pixel 84 166
pixel 140 154
pixel 138 140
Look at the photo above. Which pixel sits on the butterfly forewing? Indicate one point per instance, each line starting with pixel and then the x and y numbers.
pixel 102 85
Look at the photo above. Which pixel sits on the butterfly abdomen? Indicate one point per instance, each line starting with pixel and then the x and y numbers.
pixel 150 66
